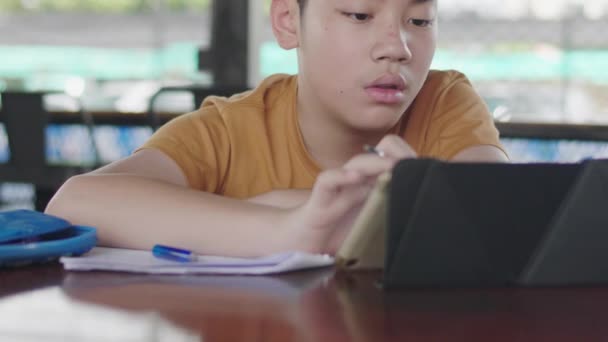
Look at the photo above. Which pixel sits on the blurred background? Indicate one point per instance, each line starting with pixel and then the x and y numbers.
pixel 104 73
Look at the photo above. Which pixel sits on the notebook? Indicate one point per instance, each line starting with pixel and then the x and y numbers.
pixel 128 260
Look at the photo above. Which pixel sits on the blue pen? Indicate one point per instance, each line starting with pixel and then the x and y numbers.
pixel 173 254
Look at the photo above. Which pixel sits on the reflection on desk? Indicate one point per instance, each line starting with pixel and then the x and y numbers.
pixel 50 315
pixel 322 305
pixel 221 308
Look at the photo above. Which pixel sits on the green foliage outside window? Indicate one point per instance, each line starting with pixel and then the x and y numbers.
pixel 109 6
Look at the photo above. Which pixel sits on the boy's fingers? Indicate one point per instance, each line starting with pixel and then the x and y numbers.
pixel 395 147
pixel 341 204
pixel 369 164
pixel 349 198
pixel 337 191
pixel 332 181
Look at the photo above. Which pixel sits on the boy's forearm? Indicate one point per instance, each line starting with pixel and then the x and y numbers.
pixel 289 198
pixel 135 212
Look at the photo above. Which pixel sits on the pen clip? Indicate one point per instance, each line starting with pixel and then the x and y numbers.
pixel 374 150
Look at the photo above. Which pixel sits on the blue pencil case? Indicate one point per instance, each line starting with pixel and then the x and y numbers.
pixel 28 237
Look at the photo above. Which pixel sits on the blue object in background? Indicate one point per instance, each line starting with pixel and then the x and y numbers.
pixel 72 145
pixel 5 153
pixel 554 151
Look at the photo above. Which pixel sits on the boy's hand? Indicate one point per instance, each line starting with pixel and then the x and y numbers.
pixel 321 223
pixel 395 147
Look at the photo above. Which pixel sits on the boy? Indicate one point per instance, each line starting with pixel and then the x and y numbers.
pixel 235 177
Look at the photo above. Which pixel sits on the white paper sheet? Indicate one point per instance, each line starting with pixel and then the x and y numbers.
pixel 127 260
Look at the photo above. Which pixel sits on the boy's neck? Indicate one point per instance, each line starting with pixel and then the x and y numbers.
pixel 330 143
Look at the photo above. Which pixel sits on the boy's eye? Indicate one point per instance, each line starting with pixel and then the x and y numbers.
pixel 421 22
pixel 358 16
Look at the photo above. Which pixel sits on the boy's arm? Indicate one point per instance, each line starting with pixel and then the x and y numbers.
pixel 288 198
pixel 481 153
pixel 144 199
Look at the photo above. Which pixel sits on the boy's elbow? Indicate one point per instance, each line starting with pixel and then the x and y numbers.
pixel 63 198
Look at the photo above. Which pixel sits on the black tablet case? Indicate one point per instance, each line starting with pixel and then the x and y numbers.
pixel 496 225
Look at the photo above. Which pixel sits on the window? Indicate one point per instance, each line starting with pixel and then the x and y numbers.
pixel 112 54
pixel 531 60
pixel 101 55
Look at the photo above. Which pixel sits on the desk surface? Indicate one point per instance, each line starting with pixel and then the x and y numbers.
pixel 323 306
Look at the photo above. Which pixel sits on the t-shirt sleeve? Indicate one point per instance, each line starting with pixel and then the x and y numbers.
pixel 198 142
pixel 460 120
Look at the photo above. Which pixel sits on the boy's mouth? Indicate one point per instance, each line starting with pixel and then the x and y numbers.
pixel 388 89
pixel 387 86
pixel 389 81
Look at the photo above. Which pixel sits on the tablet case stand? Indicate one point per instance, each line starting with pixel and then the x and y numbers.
pixel 496 225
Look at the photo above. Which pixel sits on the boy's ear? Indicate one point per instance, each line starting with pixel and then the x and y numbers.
pixel 285 18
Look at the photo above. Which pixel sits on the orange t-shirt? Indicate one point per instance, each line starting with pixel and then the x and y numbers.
pixel 251 143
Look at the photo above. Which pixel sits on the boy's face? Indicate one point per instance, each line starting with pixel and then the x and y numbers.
pixel 365 61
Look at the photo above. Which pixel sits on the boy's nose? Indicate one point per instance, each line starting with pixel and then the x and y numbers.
pixel 393 48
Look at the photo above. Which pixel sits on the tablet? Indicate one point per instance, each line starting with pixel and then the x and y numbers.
pixel 364 247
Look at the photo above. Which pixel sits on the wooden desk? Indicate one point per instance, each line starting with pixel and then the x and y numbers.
pixel 322 306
